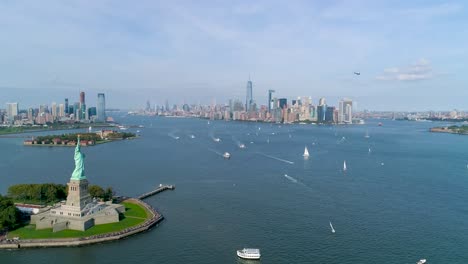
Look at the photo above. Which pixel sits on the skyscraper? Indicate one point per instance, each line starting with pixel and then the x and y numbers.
pixel 345 114
pixel 249 97
pixel 66 105
pixel 12 111
pixel 101 108
pixel 270 92
pixel 82 98
pixel 283 102
pixel 83 112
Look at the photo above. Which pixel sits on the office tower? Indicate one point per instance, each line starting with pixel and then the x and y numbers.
pixel 148 106
pixel 322 101
pixel 12 111
pixel 30 114
pixel 82 112
pixel 82 98
pixel 321 113
pixel 92 111
pixel 42 109
pixel 77 109
pixel 270 93
pixel 249 97
pixel 66 106
pixel 101 108
pixel 329 115
pixel 345 114
pixel 61 112
pixel 167 106
pixel 54 109
pixel 283 102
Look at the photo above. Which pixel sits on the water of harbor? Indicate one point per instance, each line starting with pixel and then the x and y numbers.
pixel 402 198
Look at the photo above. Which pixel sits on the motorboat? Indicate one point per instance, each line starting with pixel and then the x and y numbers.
pixel 216 139
pixel 226 155
pixel 421 261
pixel 242 146
pixel 249 253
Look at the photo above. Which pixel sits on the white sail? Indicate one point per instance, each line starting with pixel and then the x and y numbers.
pixel 332 229
pixel 344 165
pixel 306 152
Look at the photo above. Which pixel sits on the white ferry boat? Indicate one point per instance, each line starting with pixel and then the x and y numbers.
pixel 226 155
pixel 249 253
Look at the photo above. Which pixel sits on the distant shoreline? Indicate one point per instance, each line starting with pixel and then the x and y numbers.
pixel 458 130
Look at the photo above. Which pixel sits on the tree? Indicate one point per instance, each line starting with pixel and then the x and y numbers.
pixel 96 191
pixel 9 214
pixel 109 194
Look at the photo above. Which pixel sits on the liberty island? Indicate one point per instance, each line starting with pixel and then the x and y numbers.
pixel 82 219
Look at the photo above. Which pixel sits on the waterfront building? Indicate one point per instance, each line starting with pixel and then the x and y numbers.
pixel 321 113
pixel 283 103
pixel 80 211
pixel 30 115
pixel 54 109
pixel 12 111
pixel 249 96
pixel 101 108
pixel 61 112
pixel 330 114
pixel 345 114
pixel 66 106
pixel 92 111
pixel 76 112
pixel 270 102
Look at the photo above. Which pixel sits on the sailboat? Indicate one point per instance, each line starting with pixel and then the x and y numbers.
pixel 370 150
pixel 306 152
pixel 332 229
pixel 344 165
pixel 367 134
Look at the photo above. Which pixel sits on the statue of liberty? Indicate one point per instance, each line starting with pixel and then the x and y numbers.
pixel 79 172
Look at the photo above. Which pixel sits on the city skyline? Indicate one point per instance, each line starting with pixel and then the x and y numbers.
pixel 409 54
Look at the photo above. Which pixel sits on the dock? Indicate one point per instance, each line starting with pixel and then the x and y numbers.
pixel 161 188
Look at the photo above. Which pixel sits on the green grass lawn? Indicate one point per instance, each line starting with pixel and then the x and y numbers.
pixel 134 215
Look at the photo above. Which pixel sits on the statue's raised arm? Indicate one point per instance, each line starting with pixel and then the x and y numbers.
pixel 79 172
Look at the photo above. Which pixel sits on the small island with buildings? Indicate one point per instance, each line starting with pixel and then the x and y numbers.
pixel 460 130
pixel 87 139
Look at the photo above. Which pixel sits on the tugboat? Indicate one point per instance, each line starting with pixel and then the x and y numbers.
pixel 226 155
pixel 249 253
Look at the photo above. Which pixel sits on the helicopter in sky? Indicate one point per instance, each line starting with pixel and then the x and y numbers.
pixel 357 73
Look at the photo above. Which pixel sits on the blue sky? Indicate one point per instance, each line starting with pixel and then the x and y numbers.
pixel 411 54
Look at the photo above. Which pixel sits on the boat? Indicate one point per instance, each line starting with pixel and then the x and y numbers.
pixel 249 253
pixel 306 153
pixel 90 129
pixel 370 150
pixel 367 134
pixel 344 166
pixel 192 136
pixel 332 229
pixel 242 146
pixel 379 124
pixel 421 261
pixel 268 140
pixel 216 139
pixel 226 155
pixel 138 131
pixel 177 137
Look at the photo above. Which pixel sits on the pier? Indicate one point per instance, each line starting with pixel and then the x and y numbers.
pixel 161 188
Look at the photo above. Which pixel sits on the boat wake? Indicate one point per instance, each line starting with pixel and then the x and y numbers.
pixel 173 136
pixel 275 158
pixel 216 152
pixel 290 178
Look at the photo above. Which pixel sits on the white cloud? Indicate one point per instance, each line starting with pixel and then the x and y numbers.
pixel 420 70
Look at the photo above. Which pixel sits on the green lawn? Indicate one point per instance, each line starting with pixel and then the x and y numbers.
pixel 134 215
